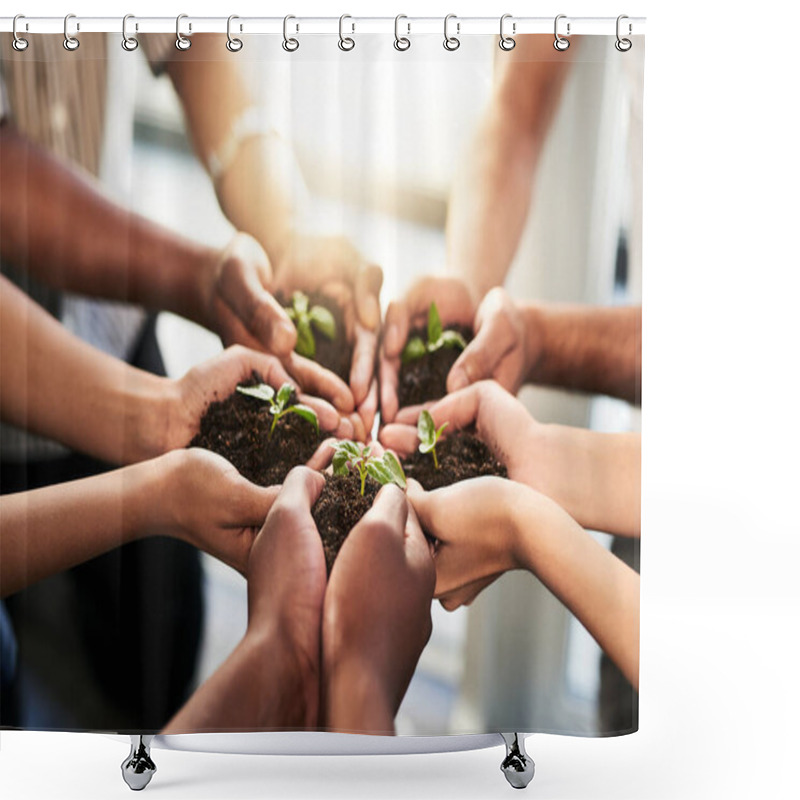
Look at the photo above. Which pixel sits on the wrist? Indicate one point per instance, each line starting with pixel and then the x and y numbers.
pixel 356 699
pixel 149 404
pixel 535 341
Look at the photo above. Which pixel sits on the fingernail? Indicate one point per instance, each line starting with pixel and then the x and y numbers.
pixel 457 379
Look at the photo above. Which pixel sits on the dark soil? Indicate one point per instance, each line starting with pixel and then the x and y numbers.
pixel 333 354
pixel 461 456
pixel 426 378
pixel 339 508
pixel 238 429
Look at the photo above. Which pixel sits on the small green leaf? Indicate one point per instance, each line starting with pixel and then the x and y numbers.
pixel 340 460
pixel 306 346
pixel 307 414
pixel 300 303
pixel 434 324
pixel 452 339
pixel 439 432
pixel 282 398
pixel 323 321
pixel 291 313
pixel 414 349
pixel 395 469
pixel 426 431
pixel 261 392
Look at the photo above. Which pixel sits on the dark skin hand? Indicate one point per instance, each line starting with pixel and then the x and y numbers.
pixel 376 617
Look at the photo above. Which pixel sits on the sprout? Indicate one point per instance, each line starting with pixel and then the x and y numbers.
pixel 304 318
pixel 428 435
pixel 348 455
pixel 277 403
pixel 437 339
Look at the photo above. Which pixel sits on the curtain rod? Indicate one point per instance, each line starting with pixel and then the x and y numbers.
pixel 461 26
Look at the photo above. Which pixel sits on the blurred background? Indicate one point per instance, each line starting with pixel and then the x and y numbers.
pixel 379 136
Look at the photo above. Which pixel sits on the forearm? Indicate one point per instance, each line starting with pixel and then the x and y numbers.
pixel 595 477
pixel 45 531
pixel 598 588
pixel 355 700
pixel 55 223
pixel 586 348
pixel 56 385
pixel 253 690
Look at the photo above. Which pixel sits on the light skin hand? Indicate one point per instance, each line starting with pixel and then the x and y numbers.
pixel 596 477
pixel 500 349
pixel 455 305
pixel 383 580
pixel 271 680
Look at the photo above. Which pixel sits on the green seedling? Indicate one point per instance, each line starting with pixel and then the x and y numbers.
pixel 437 339
pixel 307 320
pixel 348 455
pixel 428 435
pixel 277 403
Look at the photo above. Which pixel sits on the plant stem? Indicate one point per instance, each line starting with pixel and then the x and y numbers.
pixel 435 460
pixel 275 418
pixel 363 479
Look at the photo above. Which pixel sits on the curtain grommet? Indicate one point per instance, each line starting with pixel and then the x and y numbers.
pixel 289 43
pixel 181 41
pixel 71 43
pixel 451 43
pixel 18 43
pixel 129 43
pixel 401 43
pixel 233 44
pixel 507 43
pixel 560 43
pixel 623 44
pixel 346 43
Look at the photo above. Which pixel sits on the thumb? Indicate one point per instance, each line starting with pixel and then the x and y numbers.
pixel 253 503
pixel 420 501
pixel 476 363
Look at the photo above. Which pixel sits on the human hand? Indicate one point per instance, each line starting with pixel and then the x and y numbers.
pixel 376 617
pixel 515 438
pixel 237 301
pixel 455 306
pixel 188 398
pixel 208 504
pixel 286 579
pixel 476 539
pixel 500 349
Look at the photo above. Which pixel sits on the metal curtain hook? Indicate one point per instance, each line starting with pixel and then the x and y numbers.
pixel 401 43
pixel 560 43
pixel 507 42
pixel 19 44
pixel 346 43
pixel 289 44
pixel 129 43
pixel 233 44
pixel 70 42
pixel 623 45
pixel 451 42
pixel 181 42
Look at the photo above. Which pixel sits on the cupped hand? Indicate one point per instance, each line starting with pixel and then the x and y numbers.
pixel 475 539
pixel 238 304
pixel 217 378
pixel 376 618
pixel 500 349
pixel 211 506
pixel 286 579
pixel 515 438
pixel 456 307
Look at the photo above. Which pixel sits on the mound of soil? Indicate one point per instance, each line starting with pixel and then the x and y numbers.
pixel 426 378
pixel 333 354
pixel 461 456
pixel 339 508
pixel 238 429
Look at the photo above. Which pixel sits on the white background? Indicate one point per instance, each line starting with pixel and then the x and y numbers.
pixel 720 679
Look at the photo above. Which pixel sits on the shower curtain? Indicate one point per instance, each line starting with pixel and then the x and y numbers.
pixel 363 203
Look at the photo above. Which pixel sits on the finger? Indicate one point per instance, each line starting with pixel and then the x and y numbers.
pixel 494 338
pixel 465 595
pixel 369 408
pixel 362 369
pixel 418 552
pixel 300 490
pixel 367 293
pixel 359 431
pixel 321 382
pixel 327 416
pixel 262 315
pixel 424 507
pixel 408 415
pixel 451 296
pixel 460 409
pixel 389 376
pixel 252 503
pixel 395 328
pixel 322 455
pixel 402 439
pixel 389 511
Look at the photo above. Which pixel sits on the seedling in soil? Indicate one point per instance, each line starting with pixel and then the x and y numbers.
pixel 307 320
pixel 437 339
pixel 348 455
pixel 277 403
pixel 428 435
